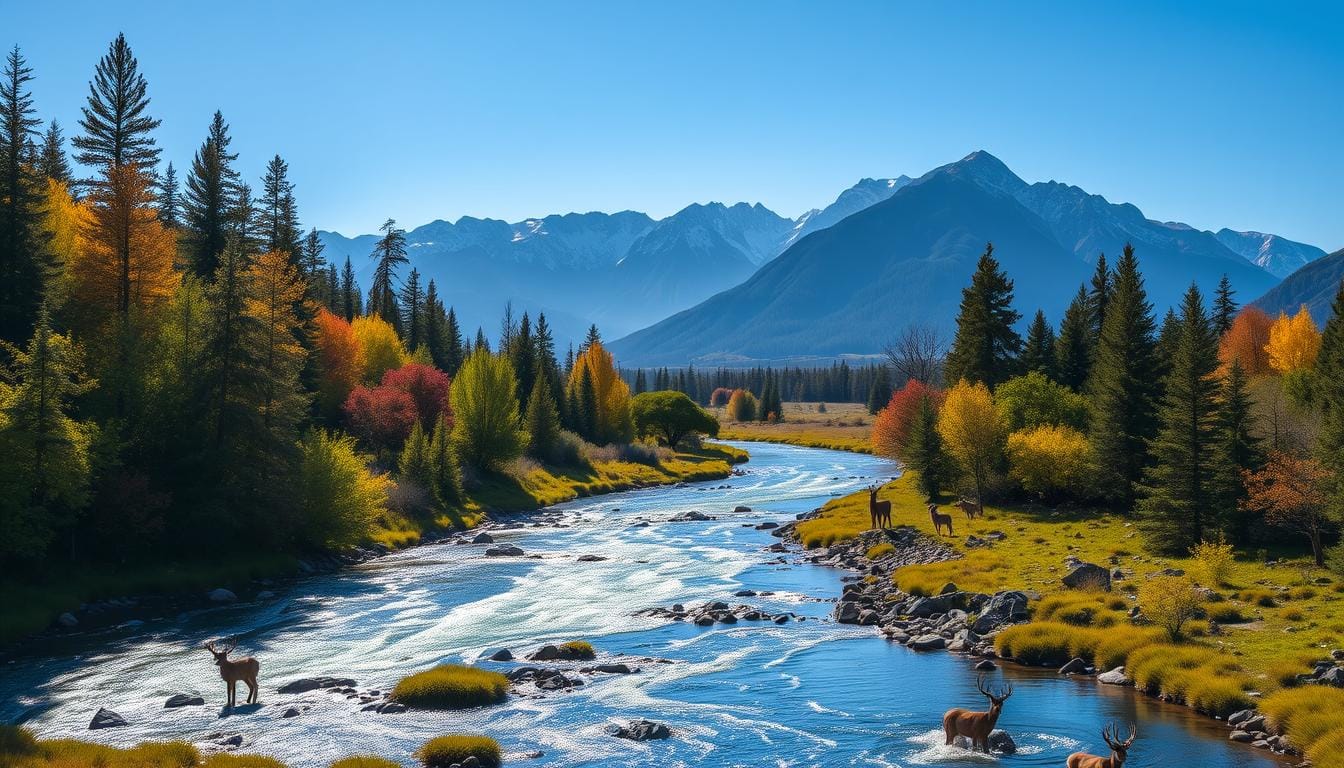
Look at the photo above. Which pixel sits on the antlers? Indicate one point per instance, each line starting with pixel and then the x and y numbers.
pixel 1111 735
pixel 229 645
pixel 998 696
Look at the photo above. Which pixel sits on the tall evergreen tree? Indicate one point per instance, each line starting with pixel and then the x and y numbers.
pixel 435 320
pixel 116 130
pixel 985 347
pixel 454 344
pixel 641 384
pixel 333 290
pixel 1099 298
pixel 548 368
pixel 349 292
pixel 413 310
pixel 879 394
pixel 22 268
pixel 279 214
pixel 170 198
pixel 1329 379
pixel 212 203
pixel 390 253
pixel 51 159
pixel 541 422
pixel 925 453
pixel 1039 352
pixel 1224 307
pixel 1122 385
pixel 523 353
pixel 592 337
pixel 242 221
pixel 1238 450
pixel 586 412
pixel 1073 345
pixel 1181 503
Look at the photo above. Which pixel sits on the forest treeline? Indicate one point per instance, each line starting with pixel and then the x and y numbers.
pixel 839 382
pixel 186 374
pixel 1215 424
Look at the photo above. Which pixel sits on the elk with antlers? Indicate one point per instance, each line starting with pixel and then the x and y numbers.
pixel 879 511
pixel 1119 750
pixel 940 520
pixel 234 670
pixel 971 508
pixel 977 725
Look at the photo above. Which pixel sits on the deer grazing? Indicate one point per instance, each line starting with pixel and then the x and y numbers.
pixel 879 511
pixel 940 520
pixel 1119 751
pixel 973 509
pixel 234 670
pixel 977 725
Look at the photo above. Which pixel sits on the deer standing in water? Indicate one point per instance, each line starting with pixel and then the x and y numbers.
pixel 234 670
pixel 972 509
pixel 939 520
pixel 1119 751
pixel 977 725
pixel 879 511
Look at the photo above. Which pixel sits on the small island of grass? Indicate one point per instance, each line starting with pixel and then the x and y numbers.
pixel 451 686
pixel 455 748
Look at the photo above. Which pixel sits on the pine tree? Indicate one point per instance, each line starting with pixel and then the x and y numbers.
pixel 548 368
pixel 116 130
pixel 22 268
pixel 985 347
pixel 1181 504
pixel 641 384
pixel 445 472
pixel 1224 307
pixel 279 215
pixel 523 354
pixel 414 463
pixel 413 309
pixel 349 292
pixel 879 394
pixel 1122 385
pixel 925 453
pixel 542 424
pixel 311 265
pixel 435 320
pixel 332 280
pixel 1329 379
pixel 454 345
pixel 51 160
pixel 1099 298
pixel 586 411
pixel 212 201
pixel 1238 451
pixel 1039 352
pixel 170 199
pixel 593 337
pixel 390 253
pixel 482 344
pixel 242 221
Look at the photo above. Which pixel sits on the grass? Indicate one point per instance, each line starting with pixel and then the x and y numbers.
pixel 451 686
pixel 1313 719
pixel 880 550
pixel 841 427
pixel 447 750
pixel 578 649
pixel 365 761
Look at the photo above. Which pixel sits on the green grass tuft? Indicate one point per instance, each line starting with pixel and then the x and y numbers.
pixel 365 761
pixel 451 686
pixel 447 750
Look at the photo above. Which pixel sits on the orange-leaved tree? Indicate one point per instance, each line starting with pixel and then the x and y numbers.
pixel 1293 342
pixel 1293 493
pixel 1246 341
pixel 611 417
pixel 891 427
pixel 742 406
pixel 340 362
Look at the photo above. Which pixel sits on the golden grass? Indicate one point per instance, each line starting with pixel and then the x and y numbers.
pixel 842 427
pixel 578 649
pixel 447 750
pixel 19 749
pixel 880 550
pixel 365 761
pixel 1313 719
pixel 451 686
pixel 234 760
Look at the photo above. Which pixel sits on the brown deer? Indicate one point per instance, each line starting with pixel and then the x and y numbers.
pixel 973 509
pixel 235 670
pixel 939 520
pixel 1119 751
pixel 977 725
pixel 879 511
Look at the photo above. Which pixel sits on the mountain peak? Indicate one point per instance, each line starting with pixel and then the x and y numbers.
pixel 981 168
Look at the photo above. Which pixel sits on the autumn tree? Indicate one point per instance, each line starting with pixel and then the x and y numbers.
pixel 66 223
pixel 972 431
pixel 1292 493
pixel 339 361
pixel 212 198
pixel 1293 342
pixel 428 388
pixel 893 424
pixel 1049 460
pixel 985 347
pixel 389 253
pixel 274 290
pixel 1247 342
pixel 1034 400
pixel 741 406
pixel 610 396
pixel 382 417
pixel 380 348
pixel 485 408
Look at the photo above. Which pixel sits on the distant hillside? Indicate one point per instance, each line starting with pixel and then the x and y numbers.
pixel 1314 285
pixel 1278 255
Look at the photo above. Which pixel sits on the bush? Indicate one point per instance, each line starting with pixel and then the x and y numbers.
pixel 451 686
pixel 742 406
pixel 1201 677
pixel 578 649
pixel 1033 400
pixel 485 411
pixel 1042 643
pixel 1169 602
pixel 1050 460
pixel 1224 613
pixel 338 497
pixel 1215 559
pixel 447 750
pixel 231 760
pixel 1313 719
pixel 878 551
pixel 365 761
pixel 634 453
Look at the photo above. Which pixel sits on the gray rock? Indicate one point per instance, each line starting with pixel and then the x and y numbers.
pixel 221 595
pixel 291 712
pixel 236 740
pixel 1116 676
pixel 868 617
pixel 483 538
pixel 1074 667
pixel 391 708
pixel 591 558
pixel 305 684
pixel 1236 718
pixel 67 620
pixel 640 730
pixel 847 613
pixel 106 718
pixel 1003 608
pixel 1240 736
pixel 949 588
pixel 503 654
pixel 928 642
pixel 986 665
pixel 1256 724
pixel 1001 742
pixel 1333 676
pixel 613 669
pixel 693 515
pixel 183 700
pixel 507 550
pixel 1089 576
pixel 741 508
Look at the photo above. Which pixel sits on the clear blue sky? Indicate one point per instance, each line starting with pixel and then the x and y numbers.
pixel 1217 113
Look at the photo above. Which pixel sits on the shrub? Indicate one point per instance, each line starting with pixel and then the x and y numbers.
pixel 578 649
pixel 1292 614
pixel 719 397
pixel 447 750
pixel 1224 613
pixel 1116 644
pixel 742 406
pixel 451 686
pixel 878 551
pixel 1201 677
pixel 365 761
pixel 1312 717
pixel 1216 694
pixel 1033 400
pixel 1301 593
pixel 381 416
pixel 1215 559
pixel 1261 597
pixel 338 497
pixel 1042 643
pixel 1169 602
pixel 1049 460
pixel 231 760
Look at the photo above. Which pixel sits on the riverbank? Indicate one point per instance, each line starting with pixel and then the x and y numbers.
pixel 103 595
pixel 1269 626
pixel 838 427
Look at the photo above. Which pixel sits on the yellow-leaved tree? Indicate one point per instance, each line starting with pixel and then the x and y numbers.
pixel 1293 342
pixel 65 220
pixel 602 396
pixel 274 290
pixel 1049 459
pixel 380 345
pixel 972 431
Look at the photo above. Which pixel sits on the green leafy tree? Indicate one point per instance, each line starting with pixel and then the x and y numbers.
pixel 1123 388
pixel 339 498
pixel 1039 352
pixel 212 199
pixel 485 412
pixel 1035 401
pixel 414 461
pixel 1074 346
pixel 985 347
pixel 671 416
pixel 1181 503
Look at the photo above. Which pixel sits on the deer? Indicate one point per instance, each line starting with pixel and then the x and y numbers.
pixel 1119 750
pixel 939 520
pixel 880 511
pixel 972 509
pixel 977 725
pixel 234 670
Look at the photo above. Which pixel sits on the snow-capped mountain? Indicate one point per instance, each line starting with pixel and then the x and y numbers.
pixel 1279 255
pixel 862 195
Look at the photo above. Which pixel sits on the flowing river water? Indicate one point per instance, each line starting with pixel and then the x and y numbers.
pixel 806 693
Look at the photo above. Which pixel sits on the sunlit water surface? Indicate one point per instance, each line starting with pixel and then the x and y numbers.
pixel 806 693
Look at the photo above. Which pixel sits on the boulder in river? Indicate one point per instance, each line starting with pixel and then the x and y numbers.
pixel 507 550
pixel 591 558
pixel 693 515
pixel 483 538
pixel 1074 667
pixel 929 642
pixel 1116 676
pixel 305 684
pixel 640 730
pixel 1001 742
pixel 503 654
pixel 221 595
pixel 106 718
pixel 183 700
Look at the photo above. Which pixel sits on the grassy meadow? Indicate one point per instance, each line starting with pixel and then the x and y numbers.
pixel 841 427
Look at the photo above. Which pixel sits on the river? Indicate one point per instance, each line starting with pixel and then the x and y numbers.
pixel 753 694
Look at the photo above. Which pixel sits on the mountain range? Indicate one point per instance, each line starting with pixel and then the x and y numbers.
pixel 724 284
pixel 1314 285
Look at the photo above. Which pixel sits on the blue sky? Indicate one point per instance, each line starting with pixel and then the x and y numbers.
pixel 1218 114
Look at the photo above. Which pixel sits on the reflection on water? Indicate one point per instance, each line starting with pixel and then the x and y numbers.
pixel 753 694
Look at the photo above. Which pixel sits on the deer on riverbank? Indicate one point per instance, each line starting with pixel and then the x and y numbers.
pixel 940 520
pixel 972 509
pixel 1119 751
pixel 879 511
pixel 232 671
pixel 977 725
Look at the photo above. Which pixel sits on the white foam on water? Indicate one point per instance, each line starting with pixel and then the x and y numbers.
pixel 815 707
pixel 936 751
